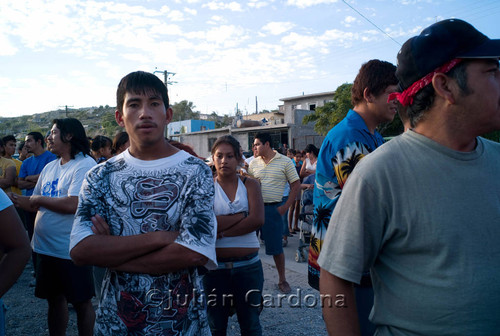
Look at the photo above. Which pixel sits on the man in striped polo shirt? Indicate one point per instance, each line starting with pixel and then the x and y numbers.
pixel 274 171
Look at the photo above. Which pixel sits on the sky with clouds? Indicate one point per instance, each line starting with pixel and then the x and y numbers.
pixel 223 53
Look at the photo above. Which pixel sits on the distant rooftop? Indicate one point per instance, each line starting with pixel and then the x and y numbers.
pixel 328 93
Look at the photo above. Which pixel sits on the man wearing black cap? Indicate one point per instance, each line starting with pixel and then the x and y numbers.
pixel 424 209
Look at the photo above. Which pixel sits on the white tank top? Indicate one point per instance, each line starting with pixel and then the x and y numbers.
pixel 311 166
pixel 223 206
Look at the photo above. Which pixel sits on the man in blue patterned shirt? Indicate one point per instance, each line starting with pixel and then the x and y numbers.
pixel 347 143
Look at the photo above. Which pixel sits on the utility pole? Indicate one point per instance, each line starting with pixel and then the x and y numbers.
pixel 66 108
pixel 167 82
pixel 166 78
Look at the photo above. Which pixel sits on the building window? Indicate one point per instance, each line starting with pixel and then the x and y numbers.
pixel 312 107
pixel 211 142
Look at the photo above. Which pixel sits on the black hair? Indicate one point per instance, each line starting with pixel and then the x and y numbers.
pixel 140 82
pixel 312 149
pixel 78 141
pixel 374 75
pixel 100 141
pixel 230 140
pixel 119 140
pixel 37 136
pixel 20 146
pixel 8 138
pixel 264 137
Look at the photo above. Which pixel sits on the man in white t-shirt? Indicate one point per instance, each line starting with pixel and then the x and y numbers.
pixel 147 215
pixel 56 198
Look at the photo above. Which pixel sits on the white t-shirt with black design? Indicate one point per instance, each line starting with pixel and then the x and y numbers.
pixel 135 197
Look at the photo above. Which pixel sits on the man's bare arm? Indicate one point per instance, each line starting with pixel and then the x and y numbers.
pixel 15 250
pixel 10 177
pixel 65 205
pixel 171 258
pixel 24 183
pixel 294 189
pixel 339 305
pixel 102 249
pixel 22 202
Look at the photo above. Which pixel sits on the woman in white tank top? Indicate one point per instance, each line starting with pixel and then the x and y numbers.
pixel 309 166
pixel 238 280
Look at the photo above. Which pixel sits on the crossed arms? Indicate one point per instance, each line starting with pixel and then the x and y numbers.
pixel 28 182
pixel 151 253
pixel 238 224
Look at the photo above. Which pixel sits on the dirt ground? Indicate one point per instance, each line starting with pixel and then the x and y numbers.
pixel 295 314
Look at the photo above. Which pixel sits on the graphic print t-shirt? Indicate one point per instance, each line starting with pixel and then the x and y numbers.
pixel 52 229
pixel 135 197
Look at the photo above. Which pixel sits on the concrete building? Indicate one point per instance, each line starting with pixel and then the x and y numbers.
pixel 285 127
pixel 189 126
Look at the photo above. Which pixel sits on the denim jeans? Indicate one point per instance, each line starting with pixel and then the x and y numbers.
pixel 272 230
pixel 245 285
pixel 2 318
pixel 364 303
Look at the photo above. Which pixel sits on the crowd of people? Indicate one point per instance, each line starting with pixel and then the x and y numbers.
pixel 404 235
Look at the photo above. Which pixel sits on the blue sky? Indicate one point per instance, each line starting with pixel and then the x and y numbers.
pixel 224 53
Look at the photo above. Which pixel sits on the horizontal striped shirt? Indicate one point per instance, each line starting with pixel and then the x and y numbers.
pixel 273 176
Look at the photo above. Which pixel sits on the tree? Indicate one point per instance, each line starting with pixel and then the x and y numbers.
pixel 184 110
pixel 331 113
pixel 109 124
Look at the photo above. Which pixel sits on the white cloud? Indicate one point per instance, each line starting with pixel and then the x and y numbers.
pixel 278 28
pixel 176 16
pixel 348 20
pixel 7 49
pixel 301 42
pixel 191 11
pixel 216 19
pixel 219 5
pixel 308 3
pixel 257 4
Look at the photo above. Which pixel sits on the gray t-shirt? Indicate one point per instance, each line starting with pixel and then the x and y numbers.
pixel 425 220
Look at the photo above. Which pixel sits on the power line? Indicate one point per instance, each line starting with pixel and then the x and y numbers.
pixel 364 17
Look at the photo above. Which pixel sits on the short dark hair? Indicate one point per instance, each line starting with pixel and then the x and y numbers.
pixel 119 140
pixel 230 140
pixel 100 141
pixel 424 99
pixel 312 149
pixel 20 145
pixel 140 82
pixel 79 142
pixel 8 138
pixel 374 75
pixel 37 136
pixel 264 137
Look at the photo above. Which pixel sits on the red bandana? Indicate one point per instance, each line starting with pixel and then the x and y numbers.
pixel 406 97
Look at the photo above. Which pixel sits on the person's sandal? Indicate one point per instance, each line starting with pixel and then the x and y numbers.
pixel 284 287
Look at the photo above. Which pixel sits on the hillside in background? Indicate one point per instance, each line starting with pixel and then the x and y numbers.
pixel 96 120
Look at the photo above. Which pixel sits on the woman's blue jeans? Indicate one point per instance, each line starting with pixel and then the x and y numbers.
pixel 239 287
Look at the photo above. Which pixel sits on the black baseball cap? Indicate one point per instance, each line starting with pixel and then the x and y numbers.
pixel 439 44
